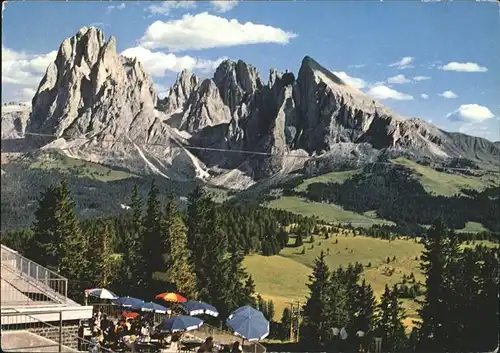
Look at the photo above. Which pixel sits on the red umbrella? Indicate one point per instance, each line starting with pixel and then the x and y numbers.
pixel 130 315
pixel 171 297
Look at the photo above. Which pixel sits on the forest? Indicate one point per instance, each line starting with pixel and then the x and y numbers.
pixel 200 251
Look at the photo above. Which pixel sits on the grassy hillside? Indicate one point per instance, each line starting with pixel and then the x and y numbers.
pixel 327 212
pixel 83 169
pixel 440 183
pixel 284 277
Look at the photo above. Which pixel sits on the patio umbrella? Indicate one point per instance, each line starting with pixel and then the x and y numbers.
pixel 155 307
pixel 193 308
pixel 129 302
pixel 131 315
pixel 171 297
pixel 101 293
pixel 180 323
pixel 248 323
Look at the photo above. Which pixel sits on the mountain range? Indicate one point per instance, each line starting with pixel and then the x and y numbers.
pixel 232 129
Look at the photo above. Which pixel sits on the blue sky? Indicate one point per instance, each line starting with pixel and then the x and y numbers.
pixel 437 61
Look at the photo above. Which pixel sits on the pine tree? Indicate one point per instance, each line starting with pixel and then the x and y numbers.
pixel 337 311
pixel 314 329
pixel 286 322
pixel 132 241
pixel 57 237
pixel 100 270
pixel 437 260
pixel 270 310
pixel 365 308
pixel 152 240
pixel 180 269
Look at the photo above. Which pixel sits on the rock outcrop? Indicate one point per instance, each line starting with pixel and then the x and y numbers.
pixel 14 118
pixel 103 107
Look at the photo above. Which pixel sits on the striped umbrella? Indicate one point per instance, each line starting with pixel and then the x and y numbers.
pixel 171 297
pixel 101 293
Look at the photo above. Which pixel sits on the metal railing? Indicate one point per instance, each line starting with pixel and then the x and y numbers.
pixel 31 278
pixel 35 335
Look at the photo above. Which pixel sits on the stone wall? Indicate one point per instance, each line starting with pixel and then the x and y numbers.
pixel 69 334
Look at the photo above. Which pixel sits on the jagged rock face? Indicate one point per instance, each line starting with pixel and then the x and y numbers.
pixel 205 108
pixel 90 91
pixel 180 92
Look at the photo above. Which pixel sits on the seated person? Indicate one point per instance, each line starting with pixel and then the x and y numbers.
pixel 207 346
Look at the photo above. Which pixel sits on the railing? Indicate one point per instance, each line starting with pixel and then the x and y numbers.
pixel 40 336
pixel 39 279
pixel 226 337
pixel 114 311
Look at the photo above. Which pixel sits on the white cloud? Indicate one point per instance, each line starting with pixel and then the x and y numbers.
pixel 22 73
pixel 167 6
pixel 224 6
pixel 24 69
pixel 161 90
pixel 448 94
pixel 158 64
pixel 384 92
pixel 204 31
pixel 115 7
pixel 424 96
pixel 351 81
pixel 404 63
pixel 3 6
pixel 463 67
pixel 421 78
pixel 471 113
pixel 398 79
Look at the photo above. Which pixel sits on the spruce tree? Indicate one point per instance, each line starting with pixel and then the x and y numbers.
pixel 58 239
pixel 178 259
pixel 100 270
pixel 134 263
pixel 152 240
pixel 365 308
pixel 314 329
pixel 286 322
pixel 438 258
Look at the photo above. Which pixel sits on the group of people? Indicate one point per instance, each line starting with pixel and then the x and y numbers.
pixel 209 347
pixel 339 342
pixel 129 334
pixel 110 334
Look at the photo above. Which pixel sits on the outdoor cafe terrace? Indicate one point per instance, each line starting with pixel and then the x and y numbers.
pixel 130 324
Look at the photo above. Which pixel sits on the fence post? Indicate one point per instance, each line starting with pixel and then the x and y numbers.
pixel 60 331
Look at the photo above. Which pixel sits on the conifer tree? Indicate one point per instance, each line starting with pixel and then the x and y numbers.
pixel 58 239
pixel 286 322
pixel 314 328
pixel 437 261
pixel 133 262
pixel 100 271
pixel 365 308
pixel 180 269
pixel 152 239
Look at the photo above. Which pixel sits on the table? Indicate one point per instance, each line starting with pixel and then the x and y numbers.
pixel 189 345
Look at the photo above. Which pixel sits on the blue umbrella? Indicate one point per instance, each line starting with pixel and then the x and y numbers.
pixel 193 308
pixel 248 323
pixel 155 307
pixel 129 302
pixel 180 324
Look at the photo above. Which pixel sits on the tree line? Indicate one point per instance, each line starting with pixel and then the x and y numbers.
pixel 461 290
pixel 398 196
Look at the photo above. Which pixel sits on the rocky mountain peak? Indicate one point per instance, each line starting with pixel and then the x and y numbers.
pixel 237 81
pixel 184 86
pixel 89 88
